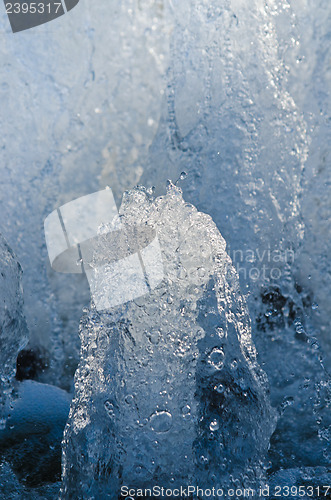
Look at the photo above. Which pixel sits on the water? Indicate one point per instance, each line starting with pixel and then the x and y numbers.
pixel 13 331
pixel 132 422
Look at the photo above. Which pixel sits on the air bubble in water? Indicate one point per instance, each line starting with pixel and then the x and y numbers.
pixel 219 388
pixel 214 425
pixel 220 332
pixel 154 336
pixel 234 364
pixel 186 410
pixel 109 407
pixel 161 421
pixel 216 358
pixel 129 399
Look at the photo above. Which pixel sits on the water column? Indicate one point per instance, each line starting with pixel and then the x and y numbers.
pixel 168 390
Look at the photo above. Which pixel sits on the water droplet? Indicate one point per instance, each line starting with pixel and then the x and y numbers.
pixel 183 175
pixel 234 364
pixel 161 421
pixel 216 358
pixel 214 425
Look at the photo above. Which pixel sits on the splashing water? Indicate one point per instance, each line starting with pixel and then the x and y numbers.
pixel 148 406
pixel 234 94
